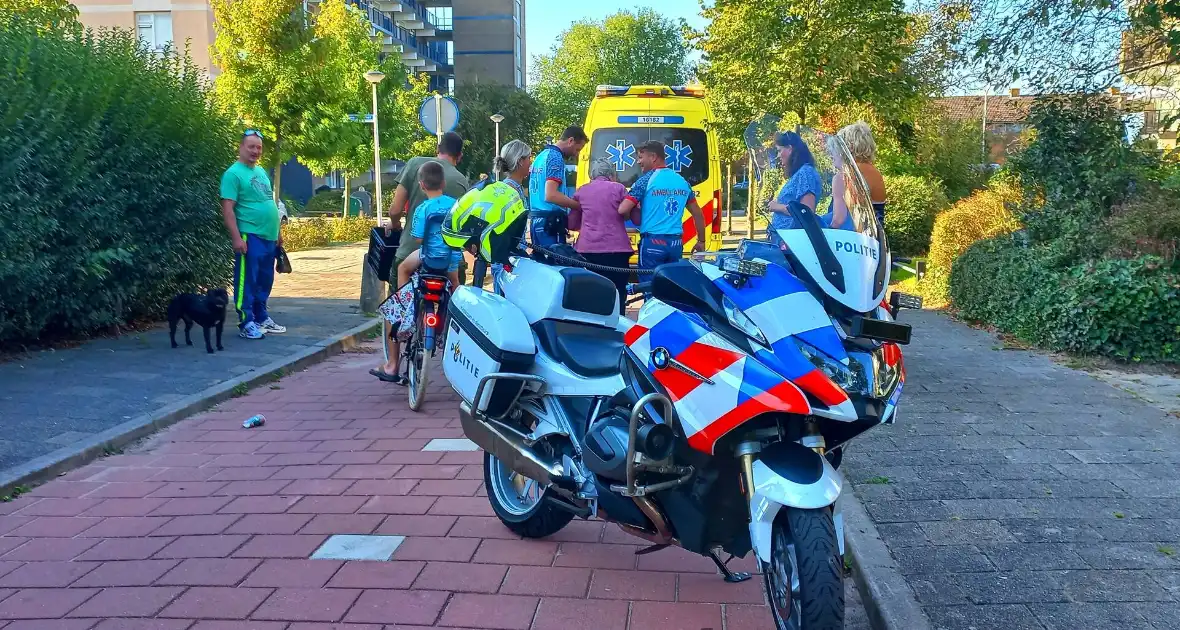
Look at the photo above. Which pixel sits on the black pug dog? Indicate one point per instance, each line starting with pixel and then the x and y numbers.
pixel 207 310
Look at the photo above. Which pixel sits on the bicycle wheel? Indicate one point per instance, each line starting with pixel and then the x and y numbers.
pixel 418 367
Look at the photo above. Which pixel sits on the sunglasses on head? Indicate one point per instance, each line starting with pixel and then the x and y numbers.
pixel 253 132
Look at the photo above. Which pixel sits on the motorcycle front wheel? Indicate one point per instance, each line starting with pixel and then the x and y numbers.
pixel 805 579
pixel 519 502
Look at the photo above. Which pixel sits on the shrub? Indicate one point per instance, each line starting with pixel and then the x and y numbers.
pixel 108 184
pixel 318 232
pixel 1128 309
pixel 327 203
pixel 1147 224
pixel 982 215
pixel 351 229
pixel 909 214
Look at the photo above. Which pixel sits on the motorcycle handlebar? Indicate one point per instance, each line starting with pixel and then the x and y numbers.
pixel 638 287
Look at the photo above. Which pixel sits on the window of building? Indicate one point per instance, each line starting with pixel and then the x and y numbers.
pixel 154 29
pixel 519 77
pixel 450 85
pixel 516 11
pixel 450 52
pixel 441 17
pixel 516 58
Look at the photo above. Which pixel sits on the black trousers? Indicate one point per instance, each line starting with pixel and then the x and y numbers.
pixel 620 278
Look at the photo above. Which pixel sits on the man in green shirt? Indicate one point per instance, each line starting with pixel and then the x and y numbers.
pixel 252 219
pixel 409 194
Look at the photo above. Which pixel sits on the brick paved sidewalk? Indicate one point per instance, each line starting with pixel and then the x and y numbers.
pixel 50 401
pixel 211 526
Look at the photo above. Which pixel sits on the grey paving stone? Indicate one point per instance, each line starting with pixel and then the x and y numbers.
pixel 903 534
pixel 1139 530
pixel 965 532
pixel 941 559
pixel 1130 555
pixel 996 617
pixel 1112 586
pixel 1077 615
pixel 1161 615
pixel 1045 530
pixel 907 511
pixel 1034 557
pixel 1011 587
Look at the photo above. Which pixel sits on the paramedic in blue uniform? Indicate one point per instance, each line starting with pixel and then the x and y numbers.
pixel 661 195
pixel 548 206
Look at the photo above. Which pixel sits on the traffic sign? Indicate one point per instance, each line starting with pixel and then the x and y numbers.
pixel 366 118
pixel 436 109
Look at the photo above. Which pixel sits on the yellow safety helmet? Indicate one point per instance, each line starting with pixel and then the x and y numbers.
pixel 494 217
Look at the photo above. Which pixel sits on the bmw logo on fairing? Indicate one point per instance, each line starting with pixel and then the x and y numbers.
pixel 660 358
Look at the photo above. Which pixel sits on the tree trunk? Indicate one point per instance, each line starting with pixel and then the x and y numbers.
pixel 750 198
pixel 729 198
pixel 278 169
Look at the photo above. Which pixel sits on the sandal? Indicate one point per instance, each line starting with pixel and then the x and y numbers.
pixel 389 378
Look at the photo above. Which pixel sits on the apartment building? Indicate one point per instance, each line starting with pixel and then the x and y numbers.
pixel 450 40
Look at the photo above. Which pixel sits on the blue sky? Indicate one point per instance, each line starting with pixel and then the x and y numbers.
pixel 546 19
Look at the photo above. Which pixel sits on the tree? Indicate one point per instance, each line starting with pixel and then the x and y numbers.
pixel 624 49
pixel 292 74
pixel 477 102
pixel 1074 45
pixel 43 14
pixel 799 56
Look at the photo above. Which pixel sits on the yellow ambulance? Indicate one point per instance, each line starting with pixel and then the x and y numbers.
pixel 622 117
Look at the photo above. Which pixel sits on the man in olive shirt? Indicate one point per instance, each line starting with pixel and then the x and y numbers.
pixel 450 150
pixel 252 219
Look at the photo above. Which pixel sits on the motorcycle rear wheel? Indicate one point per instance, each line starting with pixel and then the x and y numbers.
pixel 805 579
pixel 519 502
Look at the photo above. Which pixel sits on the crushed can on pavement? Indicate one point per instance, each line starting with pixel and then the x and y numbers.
pixel 254 421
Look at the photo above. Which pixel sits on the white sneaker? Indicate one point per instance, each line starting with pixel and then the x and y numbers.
pixel 251 331
pixel 269 326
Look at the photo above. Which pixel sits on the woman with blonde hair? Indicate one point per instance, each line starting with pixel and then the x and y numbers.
pixel 859 140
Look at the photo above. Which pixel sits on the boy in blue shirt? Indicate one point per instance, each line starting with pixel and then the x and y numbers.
pixel 661 195
pixel 548 206
pixel 434 254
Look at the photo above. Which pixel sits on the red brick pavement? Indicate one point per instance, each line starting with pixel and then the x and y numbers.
pixel 209 526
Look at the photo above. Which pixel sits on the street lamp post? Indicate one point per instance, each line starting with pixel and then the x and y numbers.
pixel 374 77
pixel 371 285
pixel 497 118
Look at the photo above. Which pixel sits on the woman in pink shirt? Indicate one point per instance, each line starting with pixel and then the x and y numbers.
pixel 602 237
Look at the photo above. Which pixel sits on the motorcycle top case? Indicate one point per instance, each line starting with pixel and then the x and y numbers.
pixel 485 334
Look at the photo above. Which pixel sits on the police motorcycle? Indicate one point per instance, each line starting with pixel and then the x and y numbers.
pixel 705 423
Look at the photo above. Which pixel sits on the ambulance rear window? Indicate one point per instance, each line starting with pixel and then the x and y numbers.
pixel 686 150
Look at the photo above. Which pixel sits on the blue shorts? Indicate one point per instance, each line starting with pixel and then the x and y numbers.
pixel 660 249
pixel 539 236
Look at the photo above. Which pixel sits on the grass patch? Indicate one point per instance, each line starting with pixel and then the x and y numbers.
pixel 878 480
pixel 1166 550
pixel 1120 515
pixel 241 389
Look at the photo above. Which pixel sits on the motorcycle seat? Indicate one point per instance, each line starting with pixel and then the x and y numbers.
pixel 587 350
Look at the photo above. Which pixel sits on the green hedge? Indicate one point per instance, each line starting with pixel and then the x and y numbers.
pixel 1128 309
pixel 912 205
pixel 323 231
pixel 108 182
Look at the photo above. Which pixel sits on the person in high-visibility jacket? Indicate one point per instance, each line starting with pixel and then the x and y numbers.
pixel 490 222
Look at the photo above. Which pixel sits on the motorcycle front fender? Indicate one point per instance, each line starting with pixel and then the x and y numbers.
pixel 791 475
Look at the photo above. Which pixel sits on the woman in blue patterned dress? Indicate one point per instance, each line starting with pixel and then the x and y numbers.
pixel 803 182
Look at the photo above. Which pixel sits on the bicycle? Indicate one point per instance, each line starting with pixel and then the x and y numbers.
pixel 430 304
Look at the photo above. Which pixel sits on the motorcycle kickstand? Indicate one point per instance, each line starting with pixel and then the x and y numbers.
pixel 731 577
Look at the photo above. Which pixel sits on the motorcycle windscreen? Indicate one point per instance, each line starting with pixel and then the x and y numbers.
pixel 686 151
pixel 840 246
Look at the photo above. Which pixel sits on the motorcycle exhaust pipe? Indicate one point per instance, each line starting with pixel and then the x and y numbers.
pixel 508 446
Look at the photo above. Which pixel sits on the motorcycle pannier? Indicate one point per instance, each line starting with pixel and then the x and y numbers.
pixel 486 334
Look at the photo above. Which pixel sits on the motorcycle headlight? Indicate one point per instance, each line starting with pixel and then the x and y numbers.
pixel 850 378
pixel 742 322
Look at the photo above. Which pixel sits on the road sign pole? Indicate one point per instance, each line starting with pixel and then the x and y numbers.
pixel 438 115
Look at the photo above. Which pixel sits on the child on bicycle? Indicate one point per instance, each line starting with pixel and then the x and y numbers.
pixel 434 254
